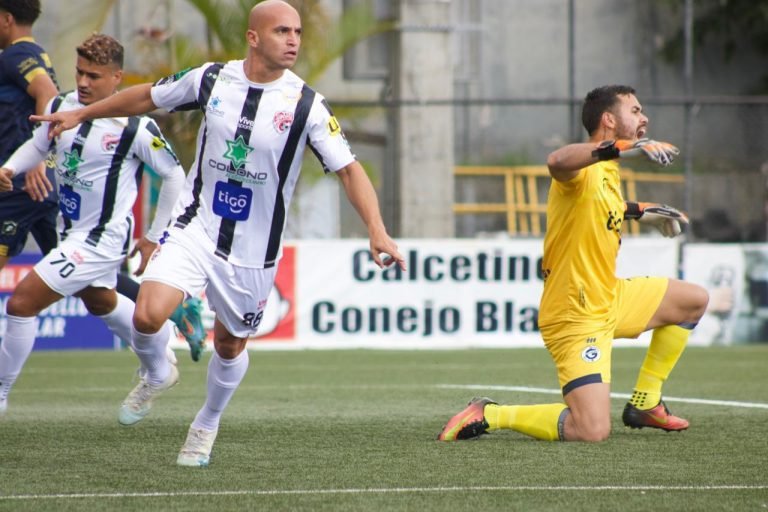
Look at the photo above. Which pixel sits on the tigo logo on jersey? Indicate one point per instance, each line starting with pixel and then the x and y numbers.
pixel 69 203
pixel 232 202
pixel 591 354
pixel 282 121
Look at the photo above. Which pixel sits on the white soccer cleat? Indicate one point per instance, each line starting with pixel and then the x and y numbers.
pixel 3 407
pixel 196 451
pixel 139 401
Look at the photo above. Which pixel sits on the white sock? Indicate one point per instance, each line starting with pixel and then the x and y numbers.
pixel 224 376
pixel 120 319
pixel 150 349
pixel 15 349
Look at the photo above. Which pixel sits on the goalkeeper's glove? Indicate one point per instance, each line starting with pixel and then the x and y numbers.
pixel 659 152
pixel 665 218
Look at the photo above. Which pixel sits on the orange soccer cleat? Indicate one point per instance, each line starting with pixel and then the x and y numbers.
pixel 468 424
pixel 658 417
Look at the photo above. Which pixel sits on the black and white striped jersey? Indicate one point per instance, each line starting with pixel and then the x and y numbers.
pixel 250 148
pixel 98 167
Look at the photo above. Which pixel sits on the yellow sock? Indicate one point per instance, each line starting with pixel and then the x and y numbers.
pixel 539 421
pixel 666 346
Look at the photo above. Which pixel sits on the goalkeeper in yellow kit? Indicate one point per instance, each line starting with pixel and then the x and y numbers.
pixel 584 305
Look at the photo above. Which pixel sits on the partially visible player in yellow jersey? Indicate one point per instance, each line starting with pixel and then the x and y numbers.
pixel 584 306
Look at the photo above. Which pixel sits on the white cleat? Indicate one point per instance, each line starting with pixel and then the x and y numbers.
pixel 139 401
pixel 3 407
pixel 196 451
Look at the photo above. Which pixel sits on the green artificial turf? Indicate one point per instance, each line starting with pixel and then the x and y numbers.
pixel 355 430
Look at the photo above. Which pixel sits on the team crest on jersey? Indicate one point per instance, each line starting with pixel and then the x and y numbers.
pixel 591 354
pixel 9 228
pixel 282 121
pixel 109 141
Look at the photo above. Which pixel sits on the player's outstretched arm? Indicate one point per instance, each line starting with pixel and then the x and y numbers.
pixel 666 219
pixel 662 153
pixel 566 162
pixel 132 101
pixel 362 195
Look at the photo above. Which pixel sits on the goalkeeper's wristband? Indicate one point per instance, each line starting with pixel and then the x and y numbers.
pixel 607 150
pixel 633 210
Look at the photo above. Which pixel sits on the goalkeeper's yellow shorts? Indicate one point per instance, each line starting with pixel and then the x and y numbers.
pixel 582 350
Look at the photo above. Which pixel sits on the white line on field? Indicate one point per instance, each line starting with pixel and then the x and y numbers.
pixel 391 490
pixel 546 391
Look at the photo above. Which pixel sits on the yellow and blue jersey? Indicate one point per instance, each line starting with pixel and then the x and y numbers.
pixel 584 218
pixel 20 64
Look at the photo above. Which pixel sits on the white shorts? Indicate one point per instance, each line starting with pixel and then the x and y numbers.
pixel 238 295
pixel 74 266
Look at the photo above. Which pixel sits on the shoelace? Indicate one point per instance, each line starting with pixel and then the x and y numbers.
pixel 196 443
pixel 140 395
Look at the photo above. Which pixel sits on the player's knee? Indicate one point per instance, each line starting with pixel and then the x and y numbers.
pixel 230 348
pixel 699 299
pixel 596 433
pixel 593 431
pixel 19 305
pixel 145 322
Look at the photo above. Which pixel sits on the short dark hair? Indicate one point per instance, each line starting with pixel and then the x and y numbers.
pixel 102 49
pixel 599 100
pixel 25 12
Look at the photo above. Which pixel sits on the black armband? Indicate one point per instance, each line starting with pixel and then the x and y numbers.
pixel 632 211
pixel 607 150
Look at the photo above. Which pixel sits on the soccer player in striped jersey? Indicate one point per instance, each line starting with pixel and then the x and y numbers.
pixel 584 305
pixel 27 84
pixel 97 170
pixel 258 119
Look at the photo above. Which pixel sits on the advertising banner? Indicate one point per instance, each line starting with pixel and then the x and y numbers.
pixel 736 277
pixel 454 293
pixel 64 325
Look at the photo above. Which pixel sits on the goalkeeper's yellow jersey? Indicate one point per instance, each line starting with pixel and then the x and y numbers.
pixel 584 217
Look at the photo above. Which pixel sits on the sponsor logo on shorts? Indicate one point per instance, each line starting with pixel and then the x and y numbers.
pixel 591 354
